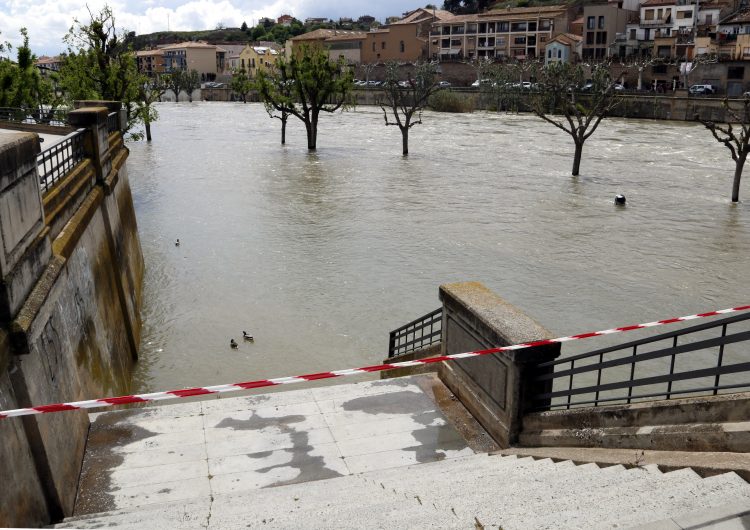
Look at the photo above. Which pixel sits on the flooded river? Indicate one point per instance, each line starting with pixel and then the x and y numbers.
pixel 319 255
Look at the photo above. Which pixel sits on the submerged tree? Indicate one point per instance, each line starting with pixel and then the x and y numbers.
pixel 241 84
pixel 191 82
pixel 735 137
pixel 284 90
pixel 560 99
pixel 406 99
pixel 149 93
pixel 100 63
pixel 305 85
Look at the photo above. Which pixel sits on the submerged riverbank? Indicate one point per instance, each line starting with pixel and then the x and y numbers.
pixel 320 254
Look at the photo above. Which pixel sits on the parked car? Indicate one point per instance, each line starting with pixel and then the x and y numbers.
pixel 444 84
pixel 476 83
pixel 702 89
pixel 618 87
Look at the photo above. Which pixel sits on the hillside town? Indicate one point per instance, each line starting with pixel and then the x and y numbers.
pixel 660 37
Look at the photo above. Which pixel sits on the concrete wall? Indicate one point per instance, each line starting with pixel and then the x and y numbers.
pixel 711 423
pixel 75 334
pixel 493 387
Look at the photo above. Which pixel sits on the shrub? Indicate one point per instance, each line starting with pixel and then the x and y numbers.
pixel 449 101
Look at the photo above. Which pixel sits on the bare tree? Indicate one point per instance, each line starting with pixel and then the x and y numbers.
pixel 149 92
pixel 735 137
pixel 405 99
pixel 564 99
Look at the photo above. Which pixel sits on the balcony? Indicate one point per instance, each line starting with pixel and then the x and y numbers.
pixel 656 23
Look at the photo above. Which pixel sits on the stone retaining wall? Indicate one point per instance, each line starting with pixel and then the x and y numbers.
pixel 69 314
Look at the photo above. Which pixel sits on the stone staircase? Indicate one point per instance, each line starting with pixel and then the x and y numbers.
pixel 462 492
pixel 450 488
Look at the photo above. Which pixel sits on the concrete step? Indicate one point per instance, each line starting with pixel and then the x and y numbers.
pixel 519 481
pixel 451 494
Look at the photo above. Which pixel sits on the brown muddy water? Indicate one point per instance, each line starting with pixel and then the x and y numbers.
pixel 319 255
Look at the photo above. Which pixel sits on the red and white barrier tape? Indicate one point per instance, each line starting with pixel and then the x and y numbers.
pixel 234 387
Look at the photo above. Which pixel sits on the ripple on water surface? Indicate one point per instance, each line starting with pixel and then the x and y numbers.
pixel 320 254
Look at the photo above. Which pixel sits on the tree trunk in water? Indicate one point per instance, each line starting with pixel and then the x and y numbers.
pixel 283 130
pixel 148 131
pixel 312 134
pixel 577 158
pixel 737 176
pixel 405 139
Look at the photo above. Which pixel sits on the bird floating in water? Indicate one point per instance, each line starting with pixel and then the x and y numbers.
pixel 177 243
pixel 247 337
pixel 233 344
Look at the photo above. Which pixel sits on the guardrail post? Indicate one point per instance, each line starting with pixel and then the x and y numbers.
pixel 24 246
pixel 496 388
pixel 96 143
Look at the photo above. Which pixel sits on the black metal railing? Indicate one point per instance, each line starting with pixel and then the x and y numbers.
pixel 112 123
pixel 54 163
pixel 417 334
pixel 705 359
pixel 58 117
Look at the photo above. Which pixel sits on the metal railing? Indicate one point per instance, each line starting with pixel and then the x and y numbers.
pixel 57 161
pixel 112 123
pixel 692 360
pixel 58 117
pixel 417 334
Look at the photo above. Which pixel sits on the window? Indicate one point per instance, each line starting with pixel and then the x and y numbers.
pixel 649 14
pixel 549 54
pixel 518 26
pixel 532 26
pixel 632 34
pixel 519 40
pixel 736 72
pixel 601 37
pixel 601 22
pixel 559 53
pixel 445 43
pixel 745 52
pixel 709 19
pixel 503 26
pixel 590 23
pixel 589 37
pixel 402 47
pixel 542 38
pixel 659 13
pixel 684 14
pixel 544 25
pixel 382 45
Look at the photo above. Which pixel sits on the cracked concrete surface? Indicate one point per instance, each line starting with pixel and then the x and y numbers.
pixel 199 450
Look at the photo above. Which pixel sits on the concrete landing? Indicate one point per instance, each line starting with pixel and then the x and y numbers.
pixel 199 450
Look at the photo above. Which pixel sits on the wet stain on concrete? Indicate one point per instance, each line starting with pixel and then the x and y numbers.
pixel 310 467
pixel 432 441
pixel 95 485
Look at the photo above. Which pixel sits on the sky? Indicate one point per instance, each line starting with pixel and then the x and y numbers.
pixel 48 20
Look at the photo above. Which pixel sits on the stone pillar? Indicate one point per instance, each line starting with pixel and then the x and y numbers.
pixel 112 106
pixel 494 388
pixel 24 246
pixel 96 144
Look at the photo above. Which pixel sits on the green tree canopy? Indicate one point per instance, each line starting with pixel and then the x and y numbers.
pixel 100 63
pixel 305 85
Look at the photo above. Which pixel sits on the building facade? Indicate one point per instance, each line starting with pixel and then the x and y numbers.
pixel 518 33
